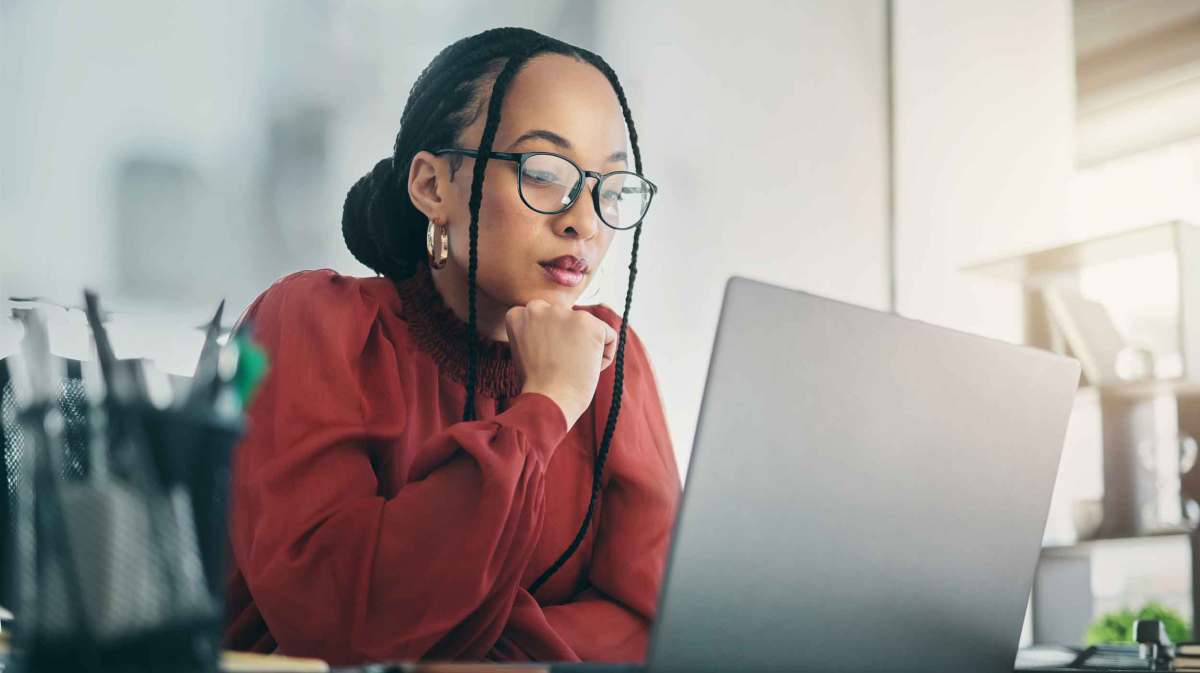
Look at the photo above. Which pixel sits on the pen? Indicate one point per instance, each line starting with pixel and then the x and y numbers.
pixel 204 382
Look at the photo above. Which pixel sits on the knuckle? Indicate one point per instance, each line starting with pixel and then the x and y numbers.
pixel 595 327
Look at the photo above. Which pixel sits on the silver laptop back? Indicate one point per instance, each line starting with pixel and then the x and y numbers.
pixel 866 493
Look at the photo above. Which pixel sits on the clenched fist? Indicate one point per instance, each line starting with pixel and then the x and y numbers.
pixel 560 352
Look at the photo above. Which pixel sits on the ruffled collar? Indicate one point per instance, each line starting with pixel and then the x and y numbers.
pixel 437 331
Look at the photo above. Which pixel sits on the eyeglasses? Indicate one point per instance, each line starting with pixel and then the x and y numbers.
pixel 550 183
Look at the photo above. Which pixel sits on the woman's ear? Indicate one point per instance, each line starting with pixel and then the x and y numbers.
pixel 428 183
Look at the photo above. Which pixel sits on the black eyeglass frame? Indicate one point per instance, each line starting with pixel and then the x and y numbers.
pixel 521 157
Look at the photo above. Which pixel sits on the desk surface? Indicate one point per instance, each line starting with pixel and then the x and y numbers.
pixel 240 662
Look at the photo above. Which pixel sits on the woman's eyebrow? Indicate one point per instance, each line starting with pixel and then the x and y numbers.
pixel 544 135
pixel 561 142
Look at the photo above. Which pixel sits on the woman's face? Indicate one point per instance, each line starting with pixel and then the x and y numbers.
pixel 554 104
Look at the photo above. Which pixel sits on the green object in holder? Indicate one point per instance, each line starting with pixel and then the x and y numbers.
pixel 251 367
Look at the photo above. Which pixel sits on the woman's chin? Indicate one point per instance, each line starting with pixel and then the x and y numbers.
pixel 563 296
pixel 548 289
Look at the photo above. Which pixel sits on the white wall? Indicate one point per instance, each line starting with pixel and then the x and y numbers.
pixel 87 82
pixel 984 124
pixel 765 126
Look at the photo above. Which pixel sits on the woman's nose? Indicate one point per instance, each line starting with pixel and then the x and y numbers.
pixel 580 220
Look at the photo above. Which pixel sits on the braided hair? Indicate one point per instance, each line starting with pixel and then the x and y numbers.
pixel 385 231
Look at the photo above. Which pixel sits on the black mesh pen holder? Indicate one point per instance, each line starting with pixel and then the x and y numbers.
pixel 121 570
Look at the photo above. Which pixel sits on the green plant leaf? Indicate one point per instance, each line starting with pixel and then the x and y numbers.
pixel 1116 627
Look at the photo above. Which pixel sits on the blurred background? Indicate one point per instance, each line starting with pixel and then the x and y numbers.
pixel 1026 170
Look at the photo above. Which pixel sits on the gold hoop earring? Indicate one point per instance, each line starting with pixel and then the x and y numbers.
pixel 439 253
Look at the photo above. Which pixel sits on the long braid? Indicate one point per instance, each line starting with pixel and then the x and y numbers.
pixel 609 427
pixel 499 87
pixel 614 412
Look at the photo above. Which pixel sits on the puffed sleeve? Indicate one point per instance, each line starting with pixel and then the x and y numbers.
pixel 610 618
pixel 337 570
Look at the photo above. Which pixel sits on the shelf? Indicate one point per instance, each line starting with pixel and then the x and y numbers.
pixel 1143 389
pixel 1029 267
pixel 1083 546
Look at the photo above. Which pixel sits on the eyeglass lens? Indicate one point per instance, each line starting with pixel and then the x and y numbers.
pixel 549 184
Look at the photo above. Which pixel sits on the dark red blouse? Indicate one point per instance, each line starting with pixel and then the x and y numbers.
pixel 370 523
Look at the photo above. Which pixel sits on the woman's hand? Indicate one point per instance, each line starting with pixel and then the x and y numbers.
pixel 560 352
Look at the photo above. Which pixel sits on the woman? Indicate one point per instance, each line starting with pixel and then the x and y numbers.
pixel 448 461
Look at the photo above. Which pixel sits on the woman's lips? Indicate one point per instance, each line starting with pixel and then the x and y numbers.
pixel 563 276
pixel 567 270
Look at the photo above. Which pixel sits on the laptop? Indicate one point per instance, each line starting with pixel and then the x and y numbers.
pixel 866 493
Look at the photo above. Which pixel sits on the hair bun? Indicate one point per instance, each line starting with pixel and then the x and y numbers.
pixel 371 220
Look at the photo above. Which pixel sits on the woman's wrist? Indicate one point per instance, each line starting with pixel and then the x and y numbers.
pixel 565 400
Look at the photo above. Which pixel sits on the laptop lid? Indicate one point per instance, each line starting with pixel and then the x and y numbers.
pixel 866 493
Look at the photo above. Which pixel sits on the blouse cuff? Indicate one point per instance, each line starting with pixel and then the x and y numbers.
pixel 540 419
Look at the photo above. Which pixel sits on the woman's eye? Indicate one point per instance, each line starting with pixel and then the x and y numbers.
pixel 540 178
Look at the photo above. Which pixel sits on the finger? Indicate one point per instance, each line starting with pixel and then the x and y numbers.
pixel 510 327
pixel 518 364
pixel 512 317
pixel 512 320
pixel 610 347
